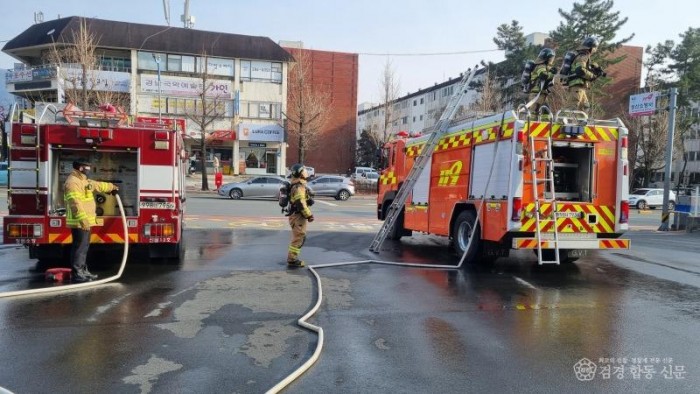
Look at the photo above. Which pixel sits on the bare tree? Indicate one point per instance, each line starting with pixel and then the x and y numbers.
pixel 389 91
pixel 308 105
pixel 78 63
pixel 490 95
pixel 210 107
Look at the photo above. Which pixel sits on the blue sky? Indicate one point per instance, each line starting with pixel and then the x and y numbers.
pixel 368 27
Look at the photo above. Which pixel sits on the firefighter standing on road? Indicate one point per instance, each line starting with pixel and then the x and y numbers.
pixel 583 72
pixel 542 77
pixel 299 214
pixel 80 215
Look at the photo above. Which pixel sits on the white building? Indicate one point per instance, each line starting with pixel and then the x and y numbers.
pixel 246 74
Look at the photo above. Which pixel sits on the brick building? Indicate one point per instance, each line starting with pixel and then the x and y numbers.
pixel 626 78
pixel 337 74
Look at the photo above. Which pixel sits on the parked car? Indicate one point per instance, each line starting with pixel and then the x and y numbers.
pixel 369 178
pixel 261 186
pixel 357 173
pixel 339 187
pixel 3 173
pixel 651 198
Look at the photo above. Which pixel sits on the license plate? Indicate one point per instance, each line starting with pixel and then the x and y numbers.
pixel 576 215
pixel 156 205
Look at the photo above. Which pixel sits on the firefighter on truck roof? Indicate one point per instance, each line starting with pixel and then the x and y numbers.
pixel 299 214
pixel 80 215
pixel 542 77
pixel 583 72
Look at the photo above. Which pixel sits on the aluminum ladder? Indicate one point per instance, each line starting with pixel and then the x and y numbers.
pixel 33 139
pixel 544 156
pixel 421 160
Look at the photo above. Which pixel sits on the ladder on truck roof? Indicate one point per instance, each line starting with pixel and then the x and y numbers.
pixel 421 160
pixel 547 194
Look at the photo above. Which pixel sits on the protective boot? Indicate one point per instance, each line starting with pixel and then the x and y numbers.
pixel 296 263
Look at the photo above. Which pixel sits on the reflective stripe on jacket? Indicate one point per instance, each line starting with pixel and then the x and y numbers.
pixel 297 197
pixel 581 74
pixel 80 200
pixel 541 73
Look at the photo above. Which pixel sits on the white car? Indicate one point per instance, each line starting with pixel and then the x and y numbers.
pixel 651 198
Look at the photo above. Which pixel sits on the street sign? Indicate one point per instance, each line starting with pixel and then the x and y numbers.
pixel 643 104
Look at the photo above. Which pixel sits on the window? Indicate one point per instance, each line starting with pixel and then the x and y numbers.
pixel 261 71
pixel 260 180
pixel 259 110
pixel 404 120
pixel 421 100
pixel 421 117
pixel 188 64
pixel 414 119
pixel 415 102
pixel 174 63
pixel 146 60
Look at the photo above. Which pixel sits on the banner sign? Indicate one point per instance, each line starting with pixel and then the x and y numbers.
pixel 260 132
pixel 182 86
pixel 643 104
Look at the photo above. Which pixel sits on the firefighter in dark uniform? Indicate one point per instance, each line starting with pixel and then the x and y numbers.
pixel 80 215
pixel 583 72
pixel 299 214
pixel 542 77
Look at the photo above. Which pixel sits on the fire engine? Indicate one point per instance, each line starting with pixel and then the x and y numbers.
pixel 558 187
pixel 146 161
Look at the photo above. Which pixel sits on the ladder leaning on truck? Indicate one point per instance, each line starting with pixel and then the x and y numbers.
pixel 557 187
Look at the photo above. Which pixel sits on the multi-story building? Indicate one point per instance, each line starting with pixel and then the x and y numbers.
pixel 334 74
pixel 167 72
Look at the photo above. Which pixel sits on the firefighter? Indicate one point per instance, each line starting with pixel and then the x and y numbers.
pixel 583 72
pixel 80 215
pixel 299 213
pixel 542 78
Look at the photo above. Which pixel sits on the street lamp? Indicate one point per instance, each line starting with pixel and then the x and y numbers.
pixel 160 115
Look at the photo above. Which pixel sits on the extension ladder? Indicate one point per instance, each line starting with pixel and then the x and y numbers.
pixel 547 195
pixel 421 160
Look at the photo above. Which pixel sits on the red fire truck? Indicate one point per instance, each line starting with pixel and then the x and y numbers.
pixel 146 162
pixel 486 165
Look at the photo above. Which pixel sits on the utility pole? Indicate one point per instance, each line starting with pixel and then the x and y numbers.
pixel 673 94
pixel 160 104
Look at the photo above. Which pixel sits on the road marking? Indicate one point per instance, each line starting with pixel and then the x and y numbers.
pixel 327 203
pixel 524 283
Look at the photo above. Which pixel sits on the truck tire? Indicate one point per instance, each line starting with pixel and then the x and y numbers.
pixel 464 229
pixel 398 230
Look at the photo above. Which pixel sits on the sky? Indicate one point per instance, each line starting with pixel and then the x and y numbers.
pixel 371 28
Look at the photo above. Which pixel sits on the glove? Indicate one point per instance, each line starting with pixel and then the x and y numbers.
pixel 310 218
pixel 114 192
pixel 85 224
pixel 310 202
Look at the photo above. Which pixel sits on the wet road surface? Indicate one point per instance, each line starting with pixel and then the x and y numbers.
pixel 224 321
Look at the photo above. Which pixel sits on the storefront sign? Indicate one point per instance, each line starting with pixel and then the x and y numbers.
pixel 222 135
pixel 182 86
pixel 109 81
pixel 172 123
pixel 260 132
pixel 257 144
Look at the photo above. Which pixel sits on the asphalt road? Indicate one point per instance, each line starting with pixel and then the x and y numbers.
pixel 224 320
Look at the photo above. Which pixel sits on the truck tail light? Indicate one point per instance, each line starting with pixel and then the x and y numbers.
pixel 624 211
pixel 623 147
pixel 24 230
pixel 521 137
pixel 159 230
pixel 517 209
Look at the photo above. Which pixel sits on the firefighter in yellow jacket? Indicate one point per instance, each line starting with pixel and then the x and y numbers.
pixel 299 214
pixel 583 72
pixel 80 215
pixel 542 78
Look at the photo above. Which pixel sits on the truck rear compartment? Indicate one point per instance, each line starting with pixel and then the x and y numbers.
pixel 573 171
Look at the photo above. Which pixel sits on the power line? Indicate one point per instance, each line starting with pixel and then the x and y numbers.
pixel 430 53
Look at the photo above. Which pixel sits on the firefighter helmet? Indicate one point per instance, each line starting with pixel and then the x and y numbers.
pixel 589 43
pixel 299 171
pixel 77 164
pixel 546 54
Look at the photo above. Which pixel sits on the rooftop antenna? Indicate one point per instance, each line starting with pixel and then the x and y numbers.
pixel 166 11
pixel 186 18
pixel 38 17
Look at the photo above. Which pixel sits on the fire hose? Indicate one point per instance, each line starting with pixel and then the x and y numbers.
pixel 80 286
pixel 302 321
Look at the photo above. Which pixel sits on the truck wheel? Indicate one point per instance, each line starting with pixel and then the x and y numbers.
pixel 398 230
pixel 235 194
pixel 464 230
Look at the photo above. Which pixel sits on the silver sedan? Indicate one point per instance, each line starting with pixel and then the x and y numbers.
pixel 261 186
